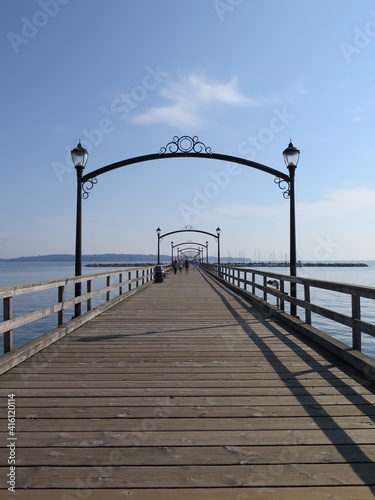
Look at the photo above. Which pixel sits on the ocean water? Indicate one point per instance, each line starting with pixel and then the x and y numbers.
pixel 12 273
pixel 364 276
pixel 18 273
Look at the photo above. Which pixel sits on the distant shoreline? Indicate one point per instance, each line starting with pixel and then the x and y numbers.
pixel 334 264
pixel 119 264
pixel 302 264
pixel 234 264
pixel 136 260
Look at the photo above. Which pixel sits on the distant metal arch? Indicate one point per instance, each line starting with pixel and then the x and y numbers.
pixel 188 231
pixel 189 243
pixel 203 245
pixel 190 250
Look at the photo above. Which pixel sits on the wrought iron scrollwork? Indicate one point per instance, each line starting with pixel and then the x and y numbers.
pixel 185 144
pixel 284 186
pixel 87 186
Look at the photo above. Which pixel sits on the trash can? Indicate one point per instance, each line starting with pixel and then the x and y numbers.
pixel 159 274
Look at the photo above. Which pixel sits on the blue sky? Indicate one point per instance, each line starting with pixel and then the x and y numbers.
pixel 126 76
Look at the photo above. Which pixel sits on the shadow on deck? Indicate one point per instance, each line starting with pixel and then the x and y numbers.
pixel 186 391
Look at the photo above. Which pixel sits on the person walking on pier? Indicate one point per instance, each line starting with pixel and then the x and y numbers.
pixel 175 264
pixel 187 264
pixel 180 265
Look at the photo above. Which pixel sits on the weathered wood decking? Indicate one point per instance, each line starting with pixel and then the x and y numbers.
pixel 184 391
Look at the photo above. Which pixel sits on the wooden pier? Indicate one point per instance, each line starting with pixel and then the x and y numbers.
pixel 185 391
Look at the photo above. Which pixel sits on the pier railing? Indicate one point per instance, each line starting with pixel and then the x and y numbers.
pixel 97 298
pixel 273 289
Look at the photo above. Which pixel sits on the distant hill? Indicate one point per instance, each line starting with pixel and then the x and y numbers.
pixel 105 257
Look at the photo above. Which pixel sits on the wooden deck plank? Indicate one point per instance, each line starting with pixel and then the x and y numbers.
pixel 195 411
pixel 190 455
pixel 172 401
pixel 115 476
pixel 122 381
pixel 186 390
pixel 179 392
pixel 265 493
pixel 182 424
pixel 141 437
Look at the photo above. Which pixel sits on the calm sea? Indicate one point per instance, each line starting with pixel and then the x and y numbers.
pixel 18 273
pixel 364 276
pixel 12 273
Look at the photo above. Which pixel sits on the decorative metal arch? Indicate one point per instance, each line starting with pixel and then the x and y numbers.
pixel 188 231
pixel 190 250
pixel 203 245
pixel 186 147
pixel 189 243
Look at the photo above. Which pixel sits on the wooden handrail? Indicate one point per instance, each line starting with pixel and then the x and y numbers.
pixel 356 292
pixel 7 294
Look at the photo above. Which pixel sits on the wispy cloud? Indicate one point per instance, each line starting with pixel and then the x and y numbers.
pixel 298 88
pixel 347 204
pixel 189 98
pixel 252 210
pixel 342 203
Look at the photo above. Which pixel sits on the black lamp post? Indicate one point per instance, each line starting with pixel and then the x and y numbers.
pixel 207 252
pixel 291 157
pixel 218 231
pixel 158 232
pixel 79 158
pixel 172 250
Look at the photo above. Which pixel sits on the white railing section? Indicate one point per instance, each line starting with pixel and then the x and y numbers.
pixel 117 283
pixel 264 284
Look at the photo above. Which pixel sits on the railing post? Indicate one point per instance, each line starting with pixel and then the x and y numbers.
pixel 137 278
pixel 143 276
pixel 108 294
pixel 356 314
pixel 282 290
pixel 129 279
pixel 307 299
pixel 120 281
pixel 60 298
pixel 265 288
pixel 88 288
pixel 7 313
